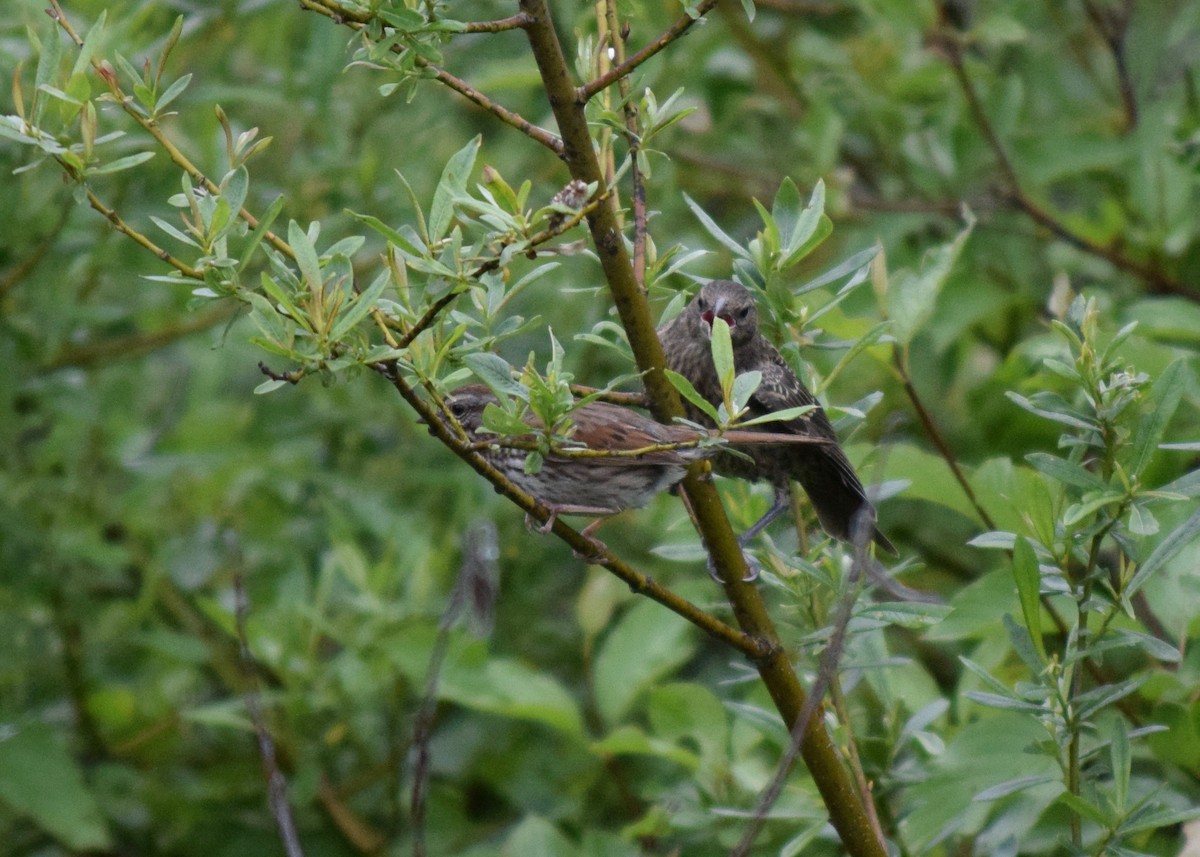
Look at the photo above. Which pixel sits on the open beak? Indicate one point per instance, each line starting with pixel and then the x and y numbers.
pixel 718 312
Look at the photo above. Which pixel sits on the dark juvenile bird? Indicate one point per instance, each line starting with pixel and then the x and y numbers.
pixel 823 470
pixel 604 484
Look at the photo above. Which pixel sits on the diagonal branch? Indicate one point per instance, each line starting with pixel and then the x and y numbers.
pixel 359 20
pixel 753 647
pixel 681 26
pixel 1015 194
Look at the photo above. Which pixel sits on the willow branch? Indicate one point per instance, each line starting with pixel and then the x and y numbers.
pixel 1113 25
pixel 536 240
pixel 752 647
pixel 359 20
pixel 939 441
pixel 151 127
pixel 681 26
pixel 137 237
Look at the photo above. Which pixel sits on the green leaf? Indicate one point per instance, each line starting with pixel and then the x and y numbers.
pixel 722 354
pixel 716 231
pixel 1013 786
pixel 173 91
pixel 306 255
pixel 126 163
pixel 1085 809
pixel 537 836
pixel 780 416
pixel 1028 578
pixel 234 188
pixel 1174 542
pixel 362 304
pixel 744 386
pixel 1163 400
pixel 174 233
pixel 452 185
pixel 281 297
pixel 508 688
pixel 1067 472
pixel 685 388
pixel 643 646
pixel 268 386
pixel 40 780
pixel 493 370
pixel 1120 764
pixel 267 320
pixel 912 297
pixel 801 235
pixel 264 226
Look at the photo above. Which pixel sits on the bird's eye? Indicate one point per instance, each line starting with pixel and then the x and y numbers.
pixel 701 304
pixel 743 312
pixel 458 410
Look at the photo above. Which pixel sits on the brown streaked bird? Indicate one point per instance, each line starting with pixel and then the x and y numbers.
pixel 823 470
pixel 599 485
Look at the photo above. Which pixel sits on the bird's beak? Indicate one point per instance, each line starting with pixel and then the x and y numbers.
pixel 717 311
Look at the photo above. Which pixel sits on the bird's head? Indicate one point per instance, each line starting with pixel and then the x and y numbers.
pixel 731 302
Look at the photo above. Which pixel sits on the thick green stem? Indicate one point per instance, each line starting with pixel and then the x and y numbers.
pixel 845 805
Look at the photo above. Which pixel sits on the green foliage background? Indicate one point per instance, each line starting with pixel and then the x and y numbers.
pixel 140 473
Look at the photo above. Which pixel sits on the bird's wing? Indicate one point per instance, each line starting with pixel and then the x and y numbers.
pixel 781 390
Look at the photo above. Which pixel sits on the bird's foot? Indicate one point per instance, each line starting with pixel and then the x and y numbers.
pixel 599 548
pixel 753 569
pixel 533 526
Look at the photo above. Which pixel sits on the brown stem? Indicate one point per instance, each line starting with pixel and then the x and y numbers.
pixel 358 20
pixel 138 238
pixel 1015 195
pixel 513 22
pixel 633 141
pixel 134 345
pixel 1113 25
pixel 681 26
pixel 276 782
pixel 935 436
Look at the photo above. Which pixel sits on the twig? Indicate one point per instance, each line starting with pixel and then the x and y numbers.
pixel 474 588
pixel 1113 25
pixel 134 345
pixel 681 26
pixel 935 436
pixel 276 782
pixel 24 267
pixel 138 238
pixel 512 22
pixel 359 20
pixel 1016 196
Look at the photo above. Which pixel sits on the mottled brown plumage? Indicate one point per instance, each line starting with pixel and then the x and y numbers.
pixel 598 485
pixel 826 474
